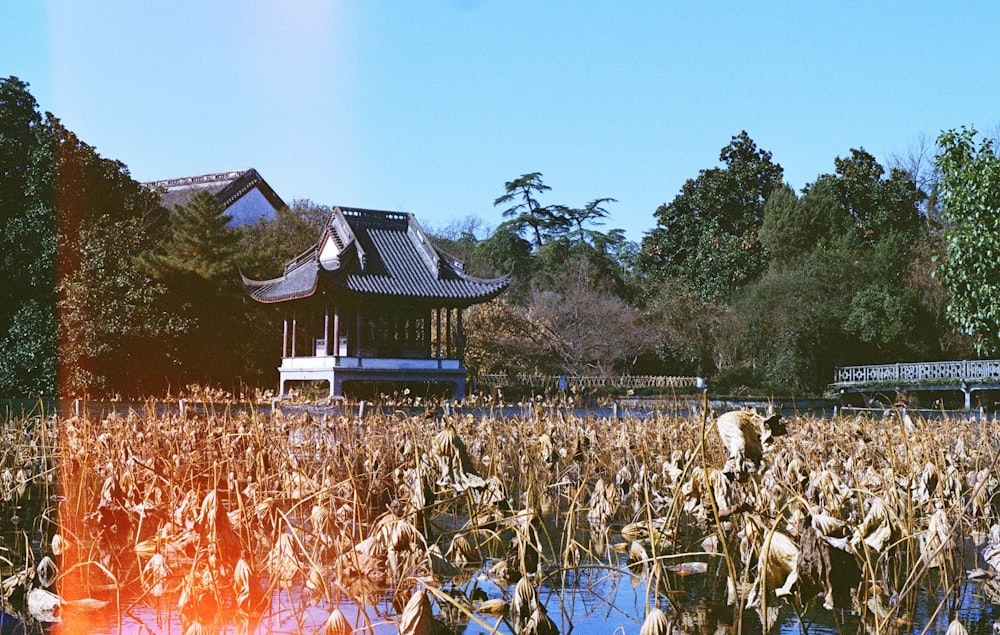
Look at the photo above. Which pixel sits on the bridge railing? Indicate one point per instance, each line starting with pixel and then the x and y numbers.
pixel 969 371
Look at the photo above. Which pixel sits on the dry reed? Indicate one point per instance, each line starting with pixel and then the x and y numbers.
pixel 235 515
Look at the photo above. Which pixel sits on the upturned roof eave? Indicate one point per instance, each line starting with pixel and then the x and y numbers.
pixel 258 289
pixel 283 298
pixel 254 287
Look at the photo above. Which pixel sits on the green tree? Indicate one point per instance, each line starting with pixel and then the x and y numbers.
pixel 840 287
pixel 883 210
pixel 53 189
pixel 784 332
pixel 572 221
pixel 21 138
pixel 856 207
pixel 28 360
pixel 196 263
pixel 29 363
pixel 969 268
pixel 708 235
pixel 108 315
pixel 199 245
pixel 794 226
pixel 267 245
pixel 525 212
pixel 108 322
pixel 560 233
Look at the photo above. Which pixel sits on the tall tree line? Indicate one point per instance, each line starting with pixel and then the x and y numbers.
pixel 742 279
pixel 66 216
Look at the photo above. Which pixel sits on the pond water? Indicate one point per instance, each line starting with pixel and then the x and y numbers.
pixel 604 408
pixel 681 405
pixel 588 601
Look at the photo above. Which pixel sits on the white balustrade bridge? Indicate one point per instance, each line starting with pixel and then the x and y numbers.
pixel 967 376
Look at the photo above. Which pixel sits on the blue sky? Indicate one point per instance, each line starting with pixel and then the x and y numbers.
pixel 429 107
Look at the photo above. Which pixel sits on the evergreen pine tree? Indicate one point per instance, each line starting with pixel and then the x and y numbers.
pixel 197 244
pixel 196 262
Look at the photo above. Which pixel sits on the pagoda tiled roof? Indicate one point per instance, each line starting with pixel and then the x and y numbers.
pixel 381 254
pixel 228 187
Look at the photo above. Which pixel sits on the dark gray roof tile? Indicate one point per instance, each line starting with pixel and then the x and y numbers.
pixel 228 188
pixel 298 282
pixel 399 261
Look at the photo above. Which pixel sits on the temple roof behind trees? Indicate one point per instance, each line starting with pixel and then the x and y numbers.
pixel 377 253
pixel 243 194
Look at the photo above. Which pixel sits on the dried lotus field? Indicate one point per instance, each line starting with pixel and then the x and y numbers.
pixel 420 522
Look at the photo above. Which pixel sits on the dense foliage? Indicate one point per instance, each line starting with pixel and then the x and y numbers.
pixel 970 198
pixel 836 289
pixel 741 279
pixel 708 235
pixel 68 220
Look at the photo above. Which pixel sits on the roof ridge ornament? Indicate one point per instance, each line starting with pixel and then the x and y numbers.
pixel 430 256
pixel 196 180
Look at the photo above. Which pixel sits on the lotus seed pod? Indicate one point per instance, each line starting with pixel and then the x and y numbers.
pixel 337 624
pixel 59 544
pixel 656 623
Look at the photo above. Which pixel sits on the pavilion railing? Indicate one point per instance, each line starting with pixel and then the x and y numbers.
pixel 968 371
pixel 584 381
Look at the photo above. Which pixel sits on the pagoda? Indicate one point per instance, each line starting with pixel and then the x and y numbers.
pixel 243 194
pixel 373 301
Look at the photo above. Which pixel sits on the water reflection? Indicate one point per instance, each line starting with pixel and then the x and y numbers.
pixel 617 407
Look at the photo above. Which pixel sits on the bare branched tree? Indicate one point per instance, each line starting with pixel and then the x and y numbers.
pixel 918 163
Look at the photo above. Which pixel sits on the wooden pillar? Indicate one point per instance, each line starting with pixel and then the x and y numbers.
pixel 336 329
pixel 427 334
pixel 357 319
pixel 460 339
pixel 326 327
pixel 447 329
pixel 437 314
pixel 294 332
pixel 284 336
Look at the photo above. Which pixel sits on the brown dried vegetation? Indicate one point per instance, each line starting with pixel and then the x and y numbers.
pixel 231 517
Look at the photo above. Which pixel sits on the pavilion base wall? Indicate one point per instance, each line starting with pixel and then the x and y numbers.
pixel 343 369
